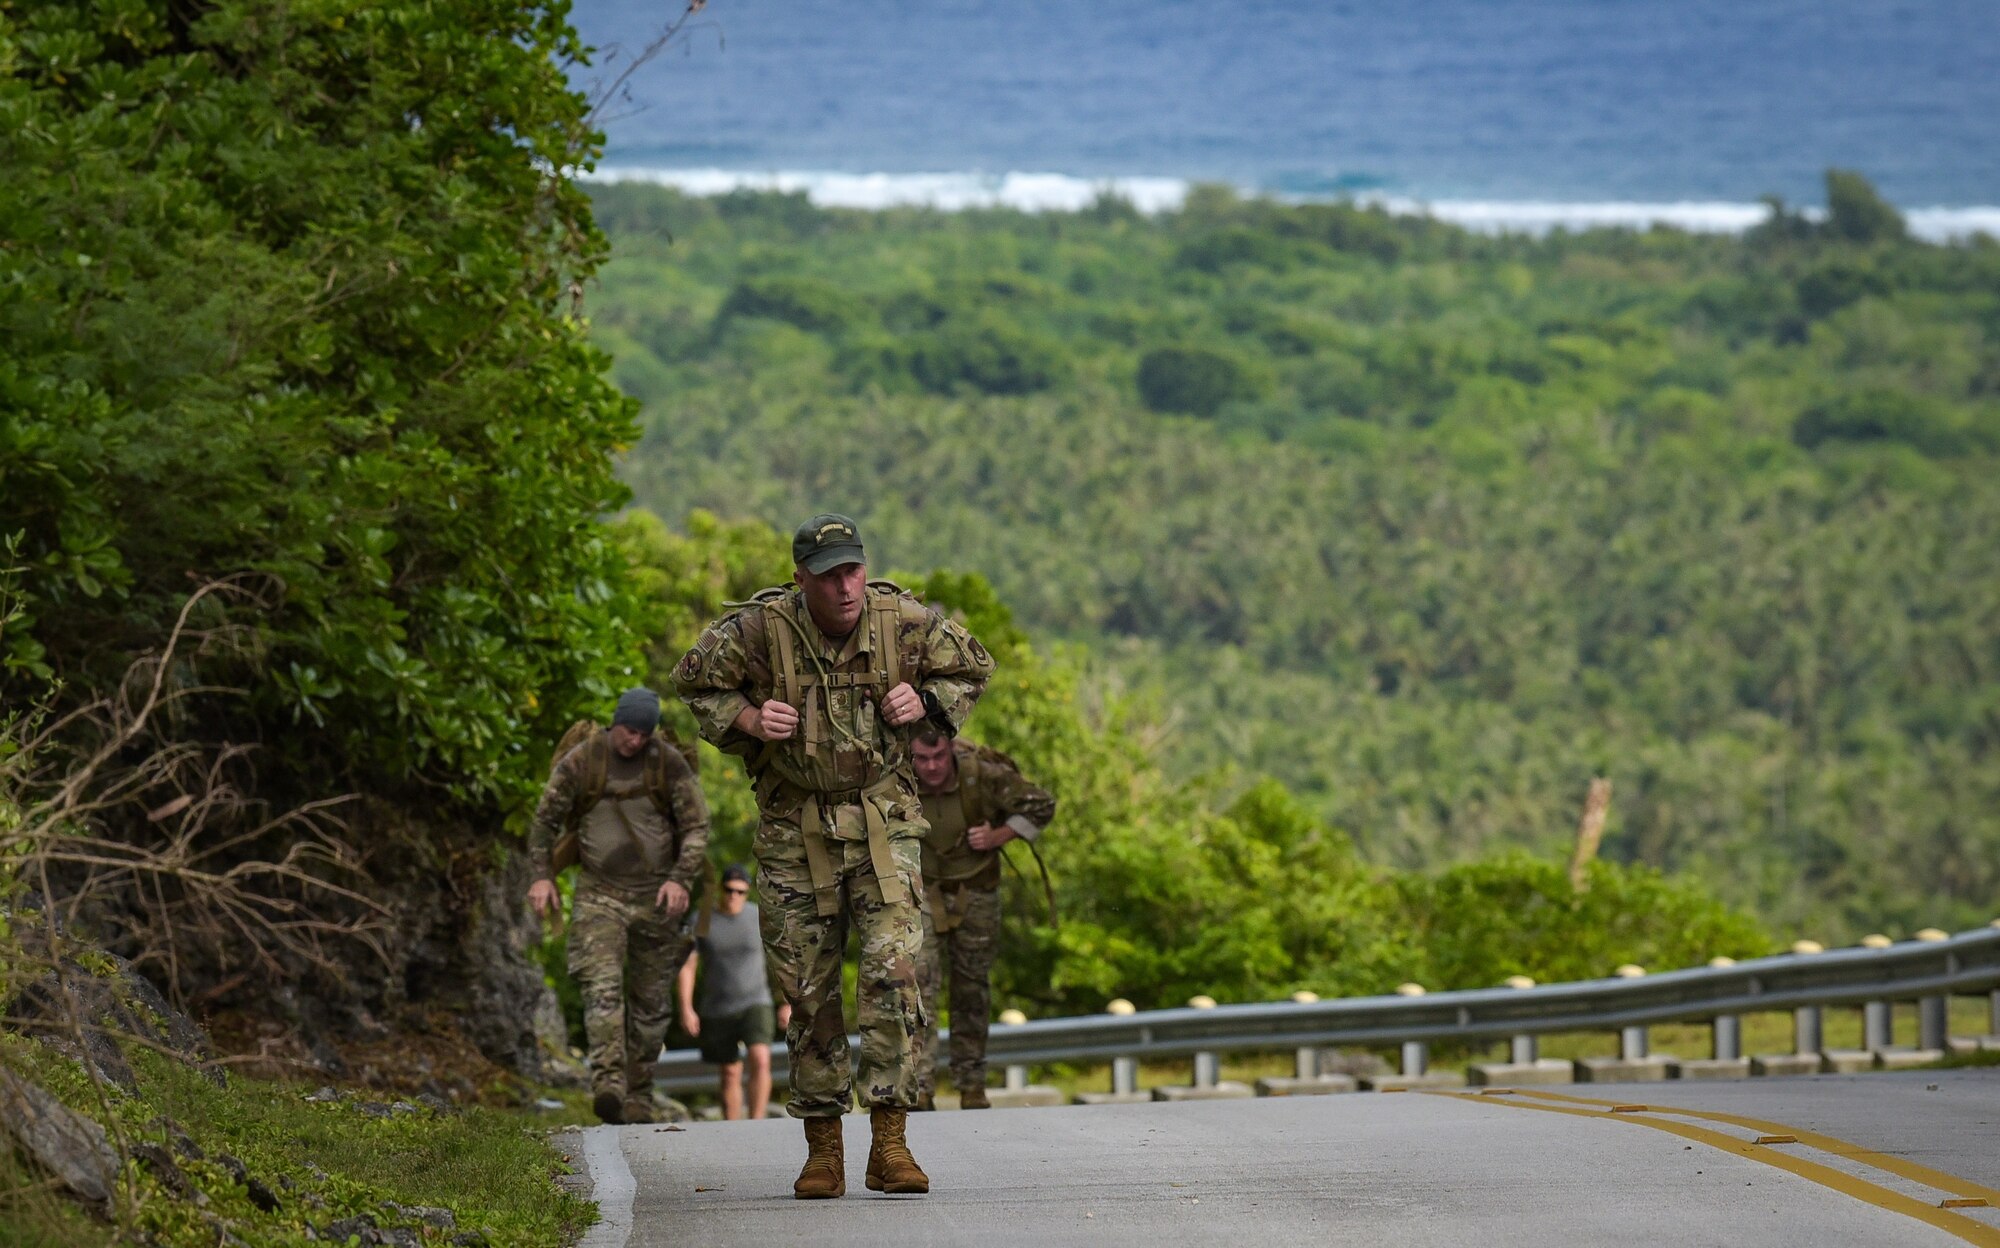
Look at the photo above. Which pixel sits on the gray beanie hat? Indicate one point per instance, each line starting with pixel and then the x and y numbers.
pixel 638 709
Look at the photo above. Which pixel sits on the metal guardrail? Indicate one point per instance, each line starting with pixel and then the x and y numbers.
pixel 1929 970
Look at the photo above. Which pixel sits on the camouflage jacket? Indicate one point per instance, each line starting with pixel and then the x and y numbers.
pixel 565 800
pixel 841 744
pixel 987 789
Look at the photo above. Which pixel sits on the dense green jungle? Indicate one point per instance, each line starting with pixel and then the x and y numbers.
pixel 1426 527
pixel 351 448
pixel 1329 554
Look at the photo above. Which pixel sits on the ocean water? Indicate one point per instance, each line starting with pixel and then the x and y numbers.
pixel 1517 114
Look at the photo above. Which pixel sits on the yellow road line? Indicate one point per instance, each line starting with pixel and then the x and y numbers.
pixel 1954 1224
pixel 1899 1166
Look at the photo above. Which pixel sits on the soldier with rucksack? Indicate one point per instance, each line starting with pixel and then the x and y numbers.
pixel 818 686
pixel 623 802
pixel 975 801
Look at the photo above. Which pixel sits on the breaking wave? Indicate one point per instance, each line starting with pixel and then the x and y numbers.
pixel 1056 192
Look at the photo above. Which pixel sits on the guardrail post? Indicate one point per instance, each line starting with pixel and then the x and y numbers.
pixel 1933 1013
pixel 1808 1026
pixel 1878 1026
pixel 1207 1066
pixel 1725 1030
pixel 1305 1058
pixel 1993 1003
pixel 1016 1076
pixel 1878 1018
pixel 1523 1049
pixel 1416 1058
pixel 1933 1023
pixel 1727 1041
pixel 1124 1070
pixel 1416 1053
pixel 1808 1021
pixel 1633 1044
pixel 1124 1076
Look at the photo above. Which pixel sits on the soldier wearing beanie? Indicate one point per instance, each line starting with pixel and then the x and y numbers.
pixel 643 840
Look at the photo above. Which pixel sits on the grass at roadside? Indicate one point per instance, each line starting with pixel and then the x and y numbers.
pixel 324 1163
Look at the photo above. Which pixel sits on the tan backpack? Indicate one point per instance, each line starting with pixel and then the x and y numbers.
pixel 594 737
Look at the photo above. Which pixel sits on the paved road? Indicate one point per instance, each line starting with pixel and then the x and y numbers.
pixel 1871 1159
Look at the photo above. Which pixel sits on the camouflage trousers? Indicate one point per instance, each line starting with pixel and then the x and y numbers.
pixel 966 952
pixel 624 953
pixel 805 950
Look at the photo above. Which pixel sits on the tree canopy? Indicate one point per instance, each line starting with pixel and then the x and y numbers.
pixel 1429 526
pixel 290 298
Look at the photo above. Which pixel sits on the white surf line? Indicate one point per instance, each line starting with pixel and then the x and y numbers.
pixel 611 1186
pixel 1056 192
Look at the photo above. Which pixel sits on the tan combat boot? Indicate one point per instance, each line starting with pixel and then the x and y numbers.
pixel 890 1167
pixel 825 1173
pixel 974 1098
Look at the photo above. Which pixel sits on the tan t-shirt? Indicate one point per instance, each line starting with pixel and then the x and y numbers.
pixel 626 840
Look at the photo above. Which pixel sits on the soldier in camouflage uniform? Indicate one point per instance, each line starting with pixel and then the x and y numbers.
pixel 975 801
pixel 643 828
pixel 818 686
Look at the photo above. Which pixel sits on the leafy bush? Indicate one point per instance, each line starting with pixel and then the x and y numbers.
pixel 1855 213
pixel 1195 381
pixel 1835 284
pixel 986 353
pixel 1218 250
pixel 1926 424
pixel 807 303
pixel 289 300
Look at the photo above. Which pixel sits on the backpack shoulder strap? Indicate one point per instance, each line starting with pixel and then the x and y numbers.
pixel 596 767
pixel 885 613
pixel 659 778
pixel 779 638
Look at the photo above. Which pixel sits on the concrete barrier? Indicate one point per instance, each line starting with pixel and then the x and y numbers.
pixel 1316 1085
pixel 1410 1083
pixel 1221 1090
pixel 1544 1070
pixel 1648 1069
pixel 1770 1064
pixel 1708 1067
pixel 1906 1059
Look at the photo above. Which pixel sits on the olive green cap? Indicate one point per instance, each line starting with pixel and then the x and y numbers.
pixel 827 541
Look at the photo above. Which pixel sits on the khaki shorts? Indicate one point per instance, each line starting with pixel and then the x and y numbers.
pixel 724 1037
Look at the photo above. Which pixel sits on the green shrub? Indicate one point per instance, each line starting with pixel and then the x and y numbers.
pixel 1221 249
pixel 989 354
pixel 1195 381
pixel 1855 213
pixel 807 303
pixel 1927 424
pixel 290 302
pixel 1835 284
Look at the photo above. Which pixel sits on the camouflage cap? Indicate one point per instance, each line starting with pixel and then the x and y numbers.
pixel 827 541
